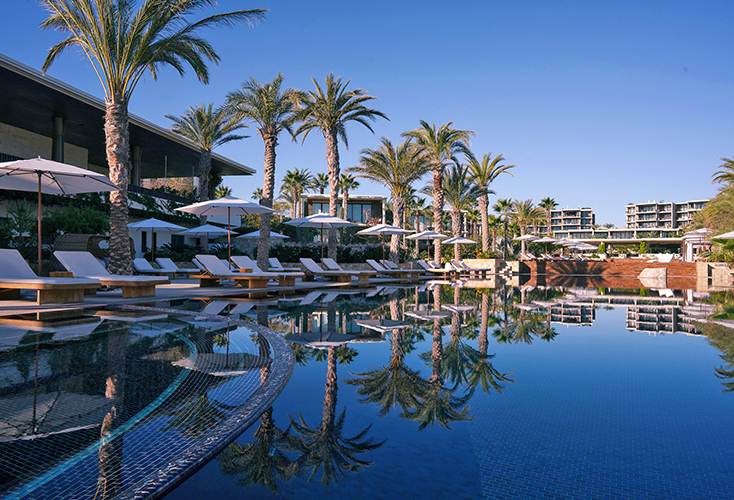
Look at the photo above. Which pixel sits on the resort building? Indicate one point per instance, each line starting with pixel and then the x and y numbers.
pixel 570 219
pixel 361 209
pixel 654 215
pixel 42 116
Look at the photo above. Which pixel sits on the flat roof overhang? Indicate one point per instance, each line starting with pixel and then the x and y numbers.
pixel 30 100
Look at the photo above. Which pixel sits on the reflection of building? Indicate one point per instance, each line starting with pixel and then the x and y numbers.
pixel 572 313
pixel 361 209
pixel 656 215
pixel 659 318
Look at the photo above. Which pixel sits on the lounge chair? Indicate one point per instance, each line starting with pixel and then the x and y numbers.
pixel 170 266
pixel 313 270
pixel 388 264
pixel 216 271
pixel 277 267
pixel 393 273
pixel 250 266
pixel 435 270
pixel 463 268
pixel 331 265
pixel 84 265
pixel 144 267
pixel 17 275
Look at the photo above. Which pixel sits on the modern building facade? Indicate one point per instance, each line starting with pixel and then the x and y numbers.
pixel 361 209
pixel 662 215
pixel 570 219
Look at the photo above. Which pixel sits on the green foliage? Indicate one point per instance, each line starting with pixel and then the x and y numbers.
pixel 602 248
pixel 643 247
pixel 486 255
pixel 347 254
pixel 178 253
pixel 21 220
pixel 75 220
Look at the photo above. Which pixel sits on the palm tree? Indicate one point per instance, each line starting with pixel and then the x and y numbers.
pixel 504 209
pixel 271 108
pixel 222 191
pixel 122 45
pixel 441 147
pixel 320 182
pixel 329 110
pixel 724 176
pixel 461 195
pixel 346 183
pixel 208 129
pixel 294 182
pixel 397 168
pixel 548 204
pixel 257 194
pixel 483 174
pixel 525 214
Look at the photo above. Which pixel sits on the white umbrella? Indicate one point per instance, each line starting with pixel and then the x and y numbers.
pixel 322 221
pixel 383 230
pixel 255 235
pixel 227 205
pixel 50 177
pixel 154 225
pixel 458 240
pixel 427 235
pixel 527 237
pixel 724 237
pixel 205 230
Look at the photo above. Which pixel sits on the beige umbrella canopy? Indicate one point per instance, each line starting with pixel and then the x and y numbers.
pixel 323 221
pixel 154 225
pixel 383 230
pixel 50 177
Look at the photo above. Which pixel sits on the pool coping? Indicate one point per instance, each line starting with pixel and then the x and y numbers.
pixel 165 479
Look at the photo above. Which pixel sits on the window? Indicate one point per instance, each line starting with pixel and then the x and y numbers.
pixel 359 212
pixel 319 208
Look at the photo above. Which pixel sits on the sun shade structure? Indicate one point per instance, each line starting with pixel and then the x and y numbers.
pixel 255 235
pixel 154 225
pixel 527 237
pixel 724 237
pixel 427 235
pixel 229 206
pixel 458 240
pixel 323 221
pixel 50 177
pixel 383 230
pixel 205 230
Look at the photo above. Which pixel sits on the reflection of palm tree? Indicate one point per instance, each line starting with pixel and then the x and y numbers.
pixel 325 447
pixel 198 416
pixel 262 462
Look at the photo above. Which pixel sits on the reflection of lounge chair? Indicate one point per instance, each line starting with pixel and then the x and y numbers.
pixel 170 266
pixel 314 270
pixel 308 299
pixel 328 297
pixel 144 267
pixel 16 275
pixel 84 265
pixel 250 266
pixel 216 271
pixel 276 266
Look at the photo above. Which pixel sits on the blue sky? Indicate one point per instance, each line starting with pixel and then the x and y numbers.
pixel 598 103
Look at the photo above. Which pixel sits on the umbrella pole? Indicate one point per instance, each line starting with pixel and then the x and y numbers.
pixel 322 242
pixel 229 239
pixel 39 224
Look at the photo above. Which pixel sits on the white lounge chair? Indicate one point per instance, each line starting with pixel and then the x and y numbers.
pixel 332 265
pixel 276 266
pixel 216 271
pixel 144 267
pixel 84 265
pixel 243 262
pixel 170 266
pixel 388 264
pixel 313 270
pixel 17 275
pixel 393 273
pixel 435 270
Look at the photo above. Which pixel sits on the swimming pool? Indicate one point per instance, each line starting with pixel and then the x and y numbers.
pixel 484 394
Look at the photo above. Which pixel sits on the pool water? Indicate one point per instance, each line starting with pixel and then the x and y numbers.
pixel 507 393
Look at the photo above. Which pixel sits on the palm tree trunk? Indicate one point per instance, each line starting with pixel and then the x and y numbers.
pixel 205 175
pixel 263 244
pixel 329 414
pixel 332 161
pixel 456 229
pixel 522 233
pixel 399 207
pixel 483 209
pixel 483 342
pixel 345 203
pixel 437 210
pixel 118 158
pixel 294 208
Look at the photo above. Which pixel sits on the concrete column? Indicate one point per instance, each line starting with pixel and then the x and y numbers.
pixel 57 144
pixel 382 202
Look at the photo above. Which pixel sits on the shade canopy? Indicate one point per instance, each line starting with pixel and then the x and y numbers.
pixel 256 235
pixel 427 235
pixel 227 205
pixel 205 230
pixel 724 237
pixel 458 240
pixel 155 225
pixel 383 230
pixel 320 220
pixel 50 177
pixel 546 239
pixel 527 237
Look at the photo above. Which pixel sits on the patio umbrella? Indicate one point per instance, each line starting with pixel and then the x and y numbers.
pixel 154 225
pixel 456 241
pixel 320 221
pixel 205 230
pixel 255 235
pixel 525 238
pixel 383 230
pixel 50 177
pixel 227 205
pixel 724 237
pixel 427 235
pixel 545 240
